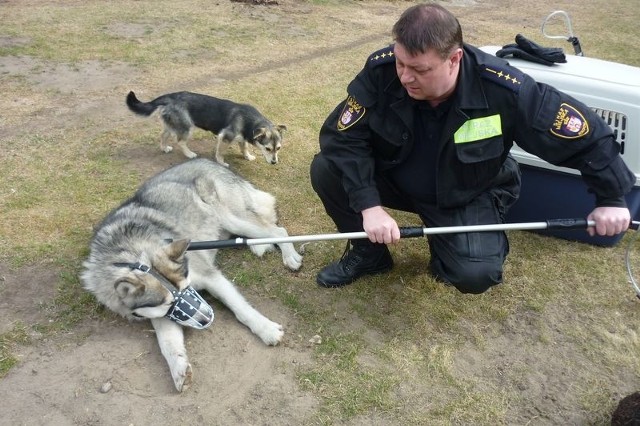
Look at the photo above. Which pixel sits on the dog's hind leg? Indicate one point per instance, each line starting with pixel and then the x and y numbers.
pixel 164 140
pixel 171 342
pixel 222 289
pixel 177 121
pixel 183 134
pixel 250 229
pixel 182 143
pixel 249 212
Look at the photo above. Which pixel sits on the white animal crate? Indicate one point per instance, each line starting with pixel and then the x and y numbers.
pixel 550 192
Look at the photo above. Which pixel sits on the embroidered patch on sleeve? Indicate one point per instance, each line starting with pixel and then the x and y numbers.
pixel 569 123
pixel 351 113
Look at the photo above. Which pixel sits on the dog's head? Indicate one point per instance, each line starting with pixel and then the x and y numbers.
pixel 152 284
pixel 269 141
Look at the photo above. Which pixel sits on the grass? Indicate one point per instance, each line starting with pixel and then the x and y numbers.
pixel 398 349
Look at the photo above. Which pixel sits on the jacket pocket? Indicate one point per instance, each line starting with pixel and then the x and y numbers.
pixel 479 161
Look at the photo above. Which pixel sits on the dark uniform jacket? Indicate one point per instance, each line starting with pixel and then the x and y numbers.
pixel 494 104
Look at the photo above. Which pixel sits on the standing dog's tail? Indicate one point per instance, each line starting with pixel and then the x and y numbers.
pixel 141 108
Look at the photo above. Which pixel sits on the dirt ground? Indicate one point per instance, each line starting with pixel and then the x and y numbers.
pixel 111 372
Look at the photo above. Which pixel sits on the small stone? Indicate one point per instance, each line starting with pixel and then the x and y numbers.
pixel 106 387
pixel 316 340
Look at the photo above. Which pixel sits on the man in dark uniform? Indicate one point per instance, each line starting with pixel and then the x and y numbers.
pixel 427 127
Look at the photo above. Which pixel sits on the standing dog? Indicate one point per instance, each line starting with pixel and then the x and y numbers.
pixel 138 255
pixel 230 121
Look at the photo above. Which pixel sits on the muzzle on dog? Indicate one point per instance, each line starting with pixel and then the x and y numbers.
pixel 188 308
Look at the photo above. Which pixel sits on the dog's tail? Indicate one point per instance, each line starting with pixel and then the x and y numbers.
pixel 141 108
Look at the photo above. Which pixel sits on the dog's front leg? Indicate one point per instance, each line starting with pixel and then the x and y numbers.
pixel 222 289
pixel 171 340
pixel 244 147
pixel 221 148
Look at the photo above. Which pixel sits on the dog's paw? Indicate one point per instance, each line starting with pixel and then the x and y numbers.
pixel 182 374
pixel 270 332
pixel 190 154
pixel 291 258
pixel 249 157
pixel 260 249
pixel 167 149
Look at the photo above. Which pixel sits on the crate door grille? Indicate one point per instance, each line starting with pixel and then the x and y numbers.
pixel 618 123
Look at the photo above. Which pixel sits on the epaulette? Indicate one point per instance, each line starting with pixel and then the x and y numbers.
pixel 382 56
pixel 505 76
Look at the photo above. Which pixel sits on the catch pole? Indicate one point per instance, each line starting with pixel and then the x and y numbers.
pixel 405 232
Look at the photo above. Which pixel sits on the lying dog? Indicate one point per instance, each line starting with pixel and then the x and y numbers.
pixel 230 121
pixel 138 260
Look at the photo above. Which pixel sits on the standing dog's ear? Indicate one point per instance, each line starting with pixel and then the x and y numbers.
pixel 281 127
pixel 259 134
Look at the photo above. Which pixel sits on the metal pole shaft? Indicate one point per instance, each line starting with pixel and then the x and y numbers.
pixel 406 232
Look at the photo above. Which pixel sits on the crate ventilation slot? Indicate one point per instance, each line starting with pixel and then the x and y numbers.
pixel 617 121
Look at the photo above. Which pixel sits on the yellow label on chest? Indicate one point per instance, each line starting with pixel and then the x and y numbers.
pixel 477 129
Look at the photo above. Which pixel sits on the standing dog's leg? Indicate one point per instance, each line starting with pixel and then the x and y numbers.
pixel 171 341
pixel 221 147
pixel 244 147
pixel 164 140
pixel 182 143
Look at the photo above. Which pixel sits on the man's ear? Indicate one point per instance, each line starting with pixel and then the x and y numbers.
pixel 456 57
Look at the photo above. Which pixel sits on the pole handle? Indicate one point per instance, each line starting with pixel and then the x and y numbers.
pixel 411 232
pixel 219 244
pixel 568 224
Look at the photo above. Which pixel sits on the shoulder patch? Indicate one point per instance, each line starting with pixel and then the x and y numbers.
pixel 511 78
pixel 351 113
pixel 569 123
pixel 382 56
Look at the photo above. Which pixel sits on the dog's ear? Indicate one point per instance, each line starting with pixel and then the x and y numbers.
pixel 281 127
pixel 176 249
pixel 126 288
pixel 259 133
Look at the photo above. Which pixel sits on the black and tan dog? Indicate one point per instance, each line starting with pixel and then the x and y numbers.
pixel 230 121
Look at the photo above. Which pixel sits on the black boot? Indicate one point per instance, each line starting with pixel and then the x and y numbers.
pixel 364 258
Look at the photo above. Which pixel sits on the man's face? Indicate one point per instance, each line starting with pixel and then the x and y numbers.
pixel 426 76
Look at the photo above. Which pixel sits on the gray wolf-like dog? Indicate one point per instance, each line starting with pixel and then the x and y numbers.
pixel 196 200
pixel 230 121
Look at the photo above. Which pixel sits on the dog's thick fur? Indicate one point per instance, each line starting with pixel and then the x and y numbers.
pixel 229 121
pixel 196 200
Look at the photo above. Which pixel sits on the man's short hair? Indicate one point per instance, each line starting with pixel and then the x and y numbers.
pixel 428 26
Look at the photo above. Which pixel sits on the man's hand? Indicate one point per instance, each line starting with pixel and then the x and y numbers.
pixel 609 220
pixel 379 226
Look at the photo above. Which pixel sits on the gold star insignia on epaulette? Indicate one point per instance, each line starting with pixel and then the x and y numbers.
pixel 507 77
pixel 382 56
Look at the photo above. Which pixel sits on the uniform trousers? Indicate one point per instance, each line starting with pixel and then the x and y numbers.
pixel 472 262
